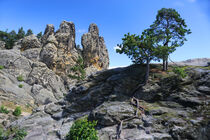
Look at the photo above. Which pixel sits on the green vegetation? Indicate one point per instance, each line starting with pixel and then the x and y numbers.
pixel 29 32
pixel 140 48
pixel 79 70
pixel 20 86
pixel 17 111
pixel 11 37
pixel 20 78
pixel 20 134
pixel 157 42
pixel 39 35
pixel 14 134
pixel 83 130
pixel 3 110
pixel 1 67
pixel 180 72
pixel 170 30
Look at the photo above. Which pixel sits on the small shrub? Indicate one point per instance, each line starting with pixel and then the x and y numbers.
pixel 19 134
pixel 17 111
pixel 83 130
pixel 79 70
pixel 1 67
pixel 12 134
pixel 3 110
pixel 20 86
pixel 20 78
pixel 180 72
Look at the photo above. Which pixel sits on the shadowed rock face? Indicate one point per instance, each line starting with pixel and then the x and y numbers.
pixel 173 108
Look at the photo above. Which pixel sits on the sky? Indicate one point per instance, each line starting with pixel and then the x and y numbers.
pixel 114 19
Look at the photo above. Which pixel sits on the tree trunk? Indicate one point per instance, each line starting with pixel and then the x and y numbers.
pixel 164 64
pixel 147 72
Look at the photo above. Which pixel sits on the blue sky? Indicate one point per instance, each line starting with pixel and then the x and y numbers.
pixel 114 19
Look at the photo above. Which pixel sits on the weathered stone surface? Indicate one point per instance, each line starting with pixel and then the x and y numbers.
pixel 14 63
pixel 112 113
pixel 32 54
pixel 29 42
pixel 48 55
pixel 66 36
pixel 41 75
pixel 94 49
pixel 49 30
pixel 107 94
pixel 2 45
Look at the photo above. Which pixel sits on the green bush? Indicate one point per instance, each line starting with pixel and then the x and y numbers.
pixel 1 67
pixel 17 111
pixel 180 72
pixel 2 134
pixel 83 130
pixel 79 70
pixel 20 78
pixel 19 134
pixel 3 110
pixel 20 86
pixel 12 134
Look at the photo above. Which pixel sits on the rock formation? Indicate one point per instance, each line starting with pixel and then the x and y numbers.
pixel 94 49
pixel 45 65
pixel 167 108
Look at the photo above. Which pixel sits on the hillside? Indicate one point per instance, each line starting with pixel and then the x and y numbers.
pixel 56 83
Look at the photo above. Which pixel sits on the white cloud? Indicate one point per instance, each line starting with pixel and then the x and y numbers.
pixel 116 47
pixel 113 67
pixel 81 31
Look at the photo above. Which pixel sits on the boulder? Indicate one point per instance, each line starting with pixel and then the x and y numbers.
pixel 32 54
pixel 29 42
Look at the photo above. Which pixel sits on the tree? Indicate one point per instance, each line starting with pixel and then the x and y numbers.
pixel 8 38
pixel 170 29
pixel 29 32
pixel 21 33
pixel 141 49
pixel 39 35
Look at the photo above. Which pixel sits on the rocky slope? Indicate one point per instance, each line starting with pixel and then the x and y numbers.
pixel 194 62
pixel 43 66
pixel 169 107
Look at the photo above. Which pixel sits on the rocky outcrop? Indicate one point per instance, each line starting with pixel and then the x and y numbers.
pixel 44 65
pixel 194 62
pixel 40 85
pixel 177 109
pixel 94 49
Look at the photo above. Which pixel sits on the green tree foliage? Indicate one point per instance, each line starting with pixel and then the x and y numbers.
pixel 21 33
pixel 8 38
pixel 170 30
pixel 29 32
pixel 141 49
pixel 83 130
pixel 17 111
pixel 39 35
